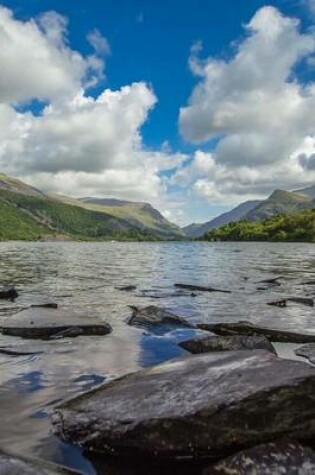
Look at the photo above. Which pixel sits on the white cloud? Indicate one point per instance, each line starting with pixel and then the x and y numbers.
pixel 36 61
pixel 256 109
pixel 99 42
pixel 78 144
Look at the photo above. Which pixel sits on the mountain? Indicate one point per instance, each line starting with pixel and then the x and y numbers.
pixel 297 227
pixel 138 214
pixel 279 202
pixel 27 213
pixel 309 191
pixel 237 213
pixel 13 184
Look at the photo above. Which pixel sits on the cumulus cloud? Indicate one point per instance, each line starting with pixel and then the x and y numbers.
pixel 36 61
pixel 255 107
pixel 78 144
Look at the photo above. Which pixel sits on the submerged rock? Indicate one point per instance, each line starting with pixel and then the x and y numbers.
pixel 12 465
pixel 201 288
pixel 12 352
pixel 8 292
pixel 289 458
pixel 302 300
pixel 127 288
pixel 153 315
pixel 205 405
pixel 46 323
pixel 44 305
pixel 307 351
pixel 227 343
pixel 247 328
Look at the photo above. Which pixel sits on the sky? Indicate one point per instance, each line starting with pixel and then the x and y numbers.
pixel 192 105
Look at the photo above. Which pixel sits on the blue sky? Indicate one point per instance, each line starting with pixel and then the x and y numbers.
pixel 191 164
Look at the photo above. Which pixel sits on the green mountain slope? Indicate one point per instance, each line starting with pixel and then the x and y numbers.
pixel 279 202
pixel 27 213
pixel 140 215
pixel 237 213
pixel 13 184
pixel 299 226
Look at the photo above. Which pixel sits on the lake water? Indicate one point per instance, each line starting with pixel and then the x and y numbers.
pixel 82 277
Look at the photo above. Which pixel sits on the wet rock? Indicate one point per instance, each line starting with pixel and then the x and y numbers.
pixel 302 300
pixel 12 465
pixel 227 343
pixel 46 323
pixel 44 305
pixel 278 303
pixel 272 281
pixel 164 295
pixel 8 292
pixel 201 288
pixel 12 352
pixel 127 288
pixel 153 316
pixel 289 458
pixel 307 351
pixel 247 328
pixel 205 405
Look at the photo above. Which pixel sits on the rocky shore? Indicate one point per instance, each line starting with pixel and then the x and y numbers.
pixel 229 405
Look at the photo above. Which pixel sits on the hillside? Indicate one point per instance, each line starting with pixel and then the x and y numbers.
pixel 13 184
pixel 235 214
pixel 309 191
pixel 49 217
pixel 279 202
pixel 140 215
pixel 294 227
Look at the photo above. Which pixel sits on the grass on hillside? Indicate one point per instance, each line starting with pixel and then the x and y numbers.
pixel 293 227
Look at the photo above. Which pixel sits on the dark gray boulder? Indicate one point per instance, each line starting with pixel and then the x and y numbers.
pixel 247 328
pixel 204 405
pixel 154 316
pixel 47 323
pixel 8 292
pixel 307 351
pixel 287 458
pixel 227 343
pixel 12 465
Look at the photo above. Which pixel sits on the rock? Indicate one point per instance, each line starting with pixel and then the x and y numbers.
pixel 289 458
pixel 278 303
pixel 44 305
pixel 205 405
pixel 9 352
pixel 227 343
pixel 165 295
pixel 152 315
pixel 272 281
pixel 8 292
pixel 201 288
pixel 127 288
pixel 302 300
pixel 247 328
pixel 12 465
pixel 307 351
pixel 46 323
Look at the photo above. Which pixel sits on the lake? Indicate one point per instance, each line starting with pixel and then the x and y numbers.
pixel 82 277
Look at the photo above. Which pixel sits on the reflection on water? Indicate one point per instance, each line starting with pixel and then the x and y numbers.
pixel 83 276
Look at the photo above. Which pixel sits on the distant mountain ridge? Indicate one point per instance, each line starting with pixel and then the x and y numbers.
pixel 235 214
pixel 28 213
pixel 279 202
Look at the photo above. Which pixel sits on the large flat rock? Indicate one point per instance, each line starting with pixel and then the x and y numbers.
pixel 287 458
pixel 247 328
pixel 47 323
pixel 11 465
pixel 227 343
pixel 203 405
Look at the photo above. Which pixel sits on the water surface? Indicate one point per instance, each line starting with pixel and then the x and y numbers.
pixel 82 277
